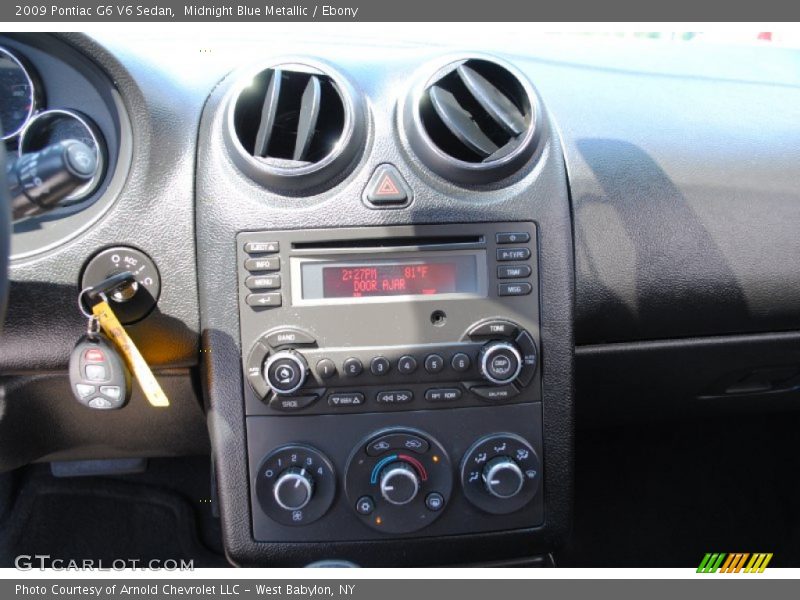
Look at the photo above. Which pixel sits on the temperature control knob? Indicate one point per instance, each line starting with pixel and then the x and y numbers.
pixel 503 478
pixel 285 371
pixel 399 483
pixel 500 362
pixel 293 489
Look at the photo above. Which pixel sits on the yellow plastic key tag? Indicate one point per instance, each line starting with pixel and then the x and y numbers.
pixel 133 358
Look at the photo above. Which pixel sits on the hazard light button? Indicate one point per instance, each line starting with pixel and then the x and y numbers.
pixel 387 188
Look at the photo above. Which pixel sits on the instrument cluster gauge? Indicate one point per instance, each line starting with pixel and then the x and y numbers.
pixel 20 94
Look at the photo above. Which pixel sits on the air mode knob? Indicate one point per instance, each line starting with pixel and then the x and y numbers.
pixel 293 489
pixel 285 371
pixel 399 483
pixel 500 362
pixel 503 478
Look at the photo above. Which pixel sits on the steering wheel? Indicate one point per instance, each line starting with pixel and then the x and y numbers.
pixel 5 235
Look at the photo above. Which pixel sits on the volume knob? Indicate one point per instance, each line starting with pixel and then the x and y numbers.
pixel 500 362
pixel 285 371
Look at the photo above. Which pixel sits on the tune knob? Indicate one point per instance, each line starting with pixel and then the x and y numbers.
pixel 503 478
pixel 293 489
pixel 500 362
pixel 399 483
pixel 285 371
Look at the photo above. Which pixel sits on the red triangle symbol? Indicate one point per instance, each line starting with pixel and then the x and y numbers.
pixel 387 187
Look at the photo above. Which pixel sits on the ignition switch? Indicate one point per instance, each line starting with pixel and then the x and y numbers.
pixel 133 301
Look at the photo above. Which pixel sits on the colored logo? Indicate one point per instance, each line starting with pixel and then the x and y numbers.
pixel 744 562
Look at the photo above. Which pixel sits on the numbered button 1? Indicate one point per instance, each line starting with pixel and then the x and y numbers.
pixel 326 368
pixel 295 485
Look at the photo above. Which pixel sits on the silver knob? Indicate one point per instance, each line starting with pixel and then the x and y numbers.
pixel 285 372
pixel 503 478
pixel 293 489
pixel 500 362
pixel 399 483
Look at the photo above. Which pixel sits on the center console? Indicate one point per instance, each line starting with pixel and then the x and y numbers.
pixel 408 360
pixel 387 328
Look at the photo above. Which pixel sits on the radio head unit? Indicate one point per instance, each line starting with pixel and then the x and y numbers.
pixel 393 318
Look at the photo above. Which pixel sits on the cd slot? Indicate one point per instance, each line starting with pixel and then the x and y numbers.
pixel 411 242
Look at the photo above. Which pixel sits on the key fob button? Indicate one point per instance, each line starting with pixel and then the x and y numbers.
pixel 84 390
pixel 96 373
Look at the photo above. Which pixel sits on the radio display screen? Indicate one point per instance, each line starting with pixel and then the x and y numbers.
pixel 389 280
pixel 429 276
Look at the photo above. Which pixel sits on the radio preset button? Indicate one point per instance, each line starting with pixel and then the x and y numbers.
pixel 509 254
pixel 346 399
pixel 268 263
pixel 263 282
pixel 514 289
pixel 397 397
pixel 326 368
pixel 434 363
pixel 407 364
pixel 264 300
pixel 513 238
pixel 513 271
pixel 380 365
pixel 460 362
pixel 262 247
pixel 443 395
pixel 353 367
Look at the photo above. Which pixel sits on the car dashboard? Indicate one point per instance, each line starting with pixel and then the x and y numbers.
pixel 387 284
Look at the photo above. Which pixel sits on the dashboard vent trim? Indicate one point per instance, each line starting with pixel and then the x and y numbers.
pixel 296 127
pixel 474 122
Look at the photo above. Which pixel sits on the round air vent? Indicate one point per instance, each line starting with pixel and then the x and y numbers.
pixel 294 127
pixel 473 122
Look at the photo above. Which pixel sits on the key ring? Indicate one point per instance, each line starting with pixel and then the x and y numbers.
pixel 82 306
pixel 99 290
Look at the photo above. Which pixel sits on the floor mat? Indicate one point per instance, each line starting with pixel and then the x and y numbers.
pixel 105 519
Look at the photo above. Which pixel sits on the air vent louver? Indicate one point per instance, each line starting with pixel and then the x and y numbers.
pixel 296 127
pixel 473 123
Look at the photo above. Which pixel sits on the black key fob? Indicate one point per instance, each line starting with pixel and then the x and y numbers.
pixel 97 374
